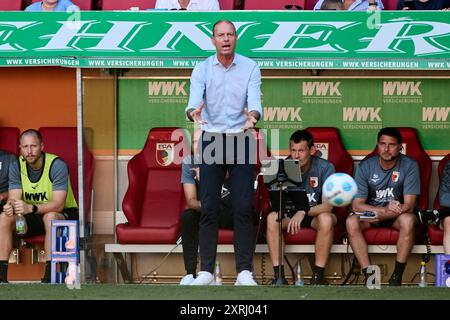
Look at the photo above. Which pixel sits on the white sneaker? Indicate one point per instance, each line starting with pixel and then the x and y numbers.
pixel 245 278
pixel 187 280
pixel 204 278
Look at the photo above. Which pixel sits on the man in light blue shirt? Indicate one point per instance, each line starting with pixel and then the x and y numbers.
pixel 225 98
pixel 357 5
pixel 52 5
pixel 227 93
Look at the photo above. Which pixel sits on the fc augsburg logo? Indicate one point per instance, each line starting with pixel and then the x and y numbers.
pixel 164 153
pixel 395 176
pixel 313 182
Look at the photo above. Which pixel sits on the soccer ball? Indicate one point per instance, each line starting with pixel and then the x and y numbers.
pixel 339 189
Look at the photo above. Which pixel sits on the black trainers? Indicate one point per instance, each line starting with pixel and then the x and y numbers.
pixel 47 273
pixel 2 281
pixel 45 280
pixel 317 280
pixel 366 279
pixel 283 281
pixel 395 280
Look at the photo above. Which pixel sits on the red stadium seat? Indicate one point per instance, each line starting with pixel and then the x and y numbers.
pixel 9 139
pixel 84 5
pixel 273 4
pixel 329 146
pixel 11 5
pixel 226 236
pixel 62 141
pixel 390 4
pixel 154 199
pixel 412 148
pixel 437 235
pixel 441 167
pixel 309 5
pixel 127 4
pixel 226 4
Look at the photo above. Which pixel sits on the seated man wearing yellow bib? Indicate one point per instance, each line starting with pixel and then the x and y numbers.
pixel 39 190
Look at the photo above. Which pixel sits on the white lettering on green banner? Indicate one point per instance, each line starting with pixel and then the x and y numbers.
pixel 276 40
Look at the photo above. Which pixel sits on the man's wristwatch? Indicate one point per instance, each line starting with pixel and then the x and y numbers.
pixel 35 209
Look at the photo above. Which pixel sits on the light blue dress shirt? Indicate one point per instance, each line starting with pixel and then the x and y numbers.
pixel 358 5
pixel 226 92
pixel 63 5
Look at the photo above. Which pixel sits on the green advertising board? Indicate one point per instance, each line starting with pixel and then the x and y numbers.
pixel 357 107
pixel 276 40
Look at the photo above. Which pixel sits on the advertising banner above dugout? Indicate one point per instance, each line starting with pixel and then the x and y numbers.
pixel 386 40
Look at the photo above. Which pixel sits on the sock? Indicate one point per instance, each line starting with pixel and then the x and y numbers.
pixel 364 271
pixel 399 268
pixel 276 269
pixel 319 271
pixel 444 212
pixel 47 272
pixel 365 274
pixel 192 271
pixel 3 270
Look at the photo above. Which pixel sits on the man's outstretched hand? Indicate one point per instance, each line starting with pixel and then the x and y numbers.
pixel 251 119
pixel 196 114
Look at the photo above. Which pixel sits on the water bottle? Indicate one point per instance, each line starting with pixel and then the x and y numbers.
pixel 299 279
pixel 218 275
pixel 422 275
pixel 64 238
pixel 21 225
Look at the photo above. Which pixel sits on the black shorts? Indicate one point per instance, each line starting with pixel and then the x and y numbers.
pixel 2 203
pixel 35 222
pixel 306 222
pixel 444 212
pixel 384 224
